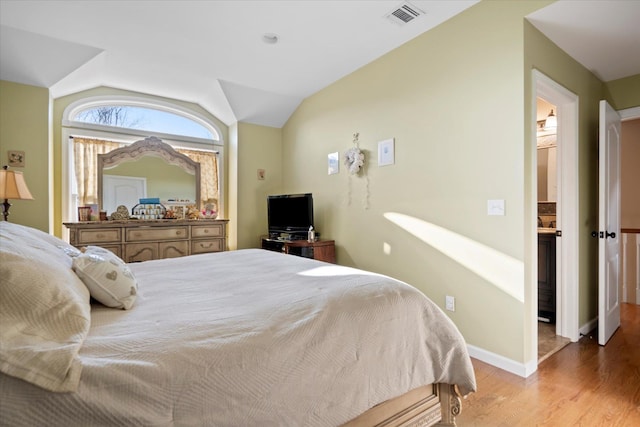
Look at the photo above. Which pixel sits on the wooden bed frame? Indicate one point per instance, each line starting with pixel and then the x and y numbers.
pixel 430 405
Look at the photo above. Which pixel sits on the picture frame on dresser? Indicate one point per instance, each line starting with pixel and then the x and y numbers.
pixel 178 210
pixel 84 213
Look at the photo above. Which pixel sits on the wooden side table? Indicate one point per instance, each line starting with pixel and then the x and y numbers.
pixel 321 250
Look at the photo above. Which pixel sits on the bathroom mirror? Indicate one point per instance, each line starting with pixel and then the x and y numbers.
pixel 547 169
pixel 150 168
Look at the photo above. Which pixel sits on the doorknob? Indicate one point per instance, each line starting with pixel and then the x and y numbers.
pixel 603 234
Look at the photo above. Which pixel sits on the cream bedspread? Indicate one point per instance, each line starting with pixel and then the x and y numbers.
pixel 250 338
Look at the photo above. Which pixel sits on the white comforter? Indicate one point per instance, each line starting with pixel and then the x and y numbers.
pixel 250 338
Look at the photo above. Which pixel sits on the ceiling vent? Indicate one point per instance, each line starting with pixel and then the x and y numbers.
pixel 404 13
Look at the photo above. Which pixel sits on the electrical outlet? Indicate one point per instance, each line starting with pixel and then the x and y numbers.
pixel 450 303
pixel 495 207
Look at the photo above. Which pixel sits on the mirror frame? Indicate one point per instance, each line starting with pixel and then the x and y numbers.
pixel 150 146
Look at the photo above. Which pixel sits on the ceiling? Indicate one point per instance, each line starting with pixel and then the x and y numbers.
pixel 212 53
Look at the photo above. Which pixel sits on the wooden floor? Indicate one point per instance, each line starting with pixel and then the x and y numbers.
pixel 583 384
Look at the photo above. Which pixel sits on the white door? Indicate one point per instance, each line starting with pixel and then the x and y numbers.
pixel 608 223
pixel 122 190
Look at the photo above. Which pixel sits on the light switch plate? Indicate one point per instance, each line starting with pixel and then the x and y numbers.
pixel 495 207
pixel 450 303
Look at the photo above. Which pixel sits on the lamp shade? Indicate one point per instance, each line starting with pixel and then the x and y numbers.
pixel 12 186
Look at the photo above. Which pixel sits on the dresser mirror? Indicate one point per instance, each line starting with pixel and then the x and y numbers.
pixel 146 168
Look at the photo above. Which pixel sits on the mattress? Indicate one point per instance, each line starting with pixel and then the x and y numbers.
pixel 250 337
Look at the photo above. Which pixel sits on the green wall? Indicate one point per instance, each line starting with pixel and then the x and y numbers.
pixel 624 93
pixel 259 147
pixel 453 99
pixel 24 126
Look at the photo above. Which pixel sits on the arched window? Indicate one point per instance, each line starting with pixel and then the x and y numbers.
pixel 117 120
pixel 142 118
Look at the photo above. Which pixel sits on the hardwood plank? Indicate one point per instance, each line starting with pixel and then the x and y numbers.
pixel 583 384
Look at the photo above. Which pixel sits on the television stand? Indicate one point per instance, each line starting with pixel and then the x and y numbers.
pixel 321 250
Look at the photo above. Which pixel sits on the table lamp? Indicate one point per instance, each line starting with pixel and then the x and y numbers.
pixel 12 186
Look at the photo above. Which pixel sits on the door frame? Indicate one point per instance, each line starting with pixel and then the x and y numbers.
pixel 567 247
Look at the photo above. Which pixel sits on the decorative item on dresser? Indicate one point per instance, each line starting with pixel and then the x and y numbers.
pixel 141 240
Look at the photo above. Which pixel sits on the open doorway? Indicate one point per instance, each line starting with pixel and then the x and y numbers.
pixel 566 207
pixel 549 341
pixel 629 287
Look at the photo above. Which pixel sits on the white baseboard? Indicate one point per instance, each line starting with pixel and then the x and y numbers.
pixel 521 369
pixel 588 327
pixel 493 359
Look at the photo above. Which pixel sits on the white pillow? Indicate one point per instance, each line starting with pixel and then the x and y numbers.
pixel 107 276
pixel 39 240
pixel 45 313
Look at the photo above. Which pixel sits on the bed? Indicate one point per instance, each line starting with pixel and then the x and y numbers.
pixel 239 338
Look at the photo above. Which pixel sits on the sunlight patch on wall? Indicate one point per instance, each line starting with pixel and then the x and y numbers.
pixel 503 271
pixel 386 248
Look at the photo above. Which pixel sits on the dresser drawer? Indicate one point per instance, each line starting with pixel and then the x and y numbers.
pixel 173 249
pixel 116 249
pixel 156 234
pixel 137 252
pixel 214 230
pixel 96 236
pixel 205 246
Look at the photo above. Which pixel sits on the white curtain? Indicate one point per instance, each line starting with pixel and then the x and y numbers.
pixel 208 173
pixel 85 158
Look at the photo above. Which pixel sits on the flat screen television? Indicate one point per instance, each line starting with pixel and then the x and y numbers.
pixel 290 213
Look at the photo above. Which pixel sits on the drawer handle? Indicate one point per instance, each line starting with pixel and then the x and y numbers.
pixel 178 233
pixel 206 230
pixel 206 246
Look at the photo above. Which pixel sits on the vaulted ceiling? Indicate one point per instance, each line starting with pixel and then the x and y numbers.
pixel 215 53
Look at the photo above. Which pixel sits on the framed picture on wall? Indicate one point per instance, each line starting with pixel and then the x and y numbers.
pixel 333 163
pixel 386 154
pixel 16 158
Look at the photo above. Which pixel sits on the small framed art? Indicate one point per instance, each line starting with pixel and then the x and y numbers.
pixel 16 158
pixel 333 162
pixel 386 155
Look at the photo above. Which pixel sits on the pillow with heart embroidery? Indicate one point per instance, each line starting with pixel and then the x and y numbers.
pixel 108 278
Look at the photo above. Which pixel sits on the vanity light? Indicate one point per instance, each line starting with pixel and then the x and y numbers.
pixel 551 122
pixel 270 38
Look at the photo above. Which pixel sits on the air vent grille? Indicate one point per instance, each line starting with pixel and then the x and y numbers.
pixel 404 13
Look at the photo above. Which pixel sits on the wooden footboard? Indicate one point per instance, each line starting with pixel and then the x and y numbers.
pixel 431 405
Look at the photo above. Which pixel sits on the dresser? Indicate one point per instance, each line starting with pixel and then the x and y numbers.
pixel 138 240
